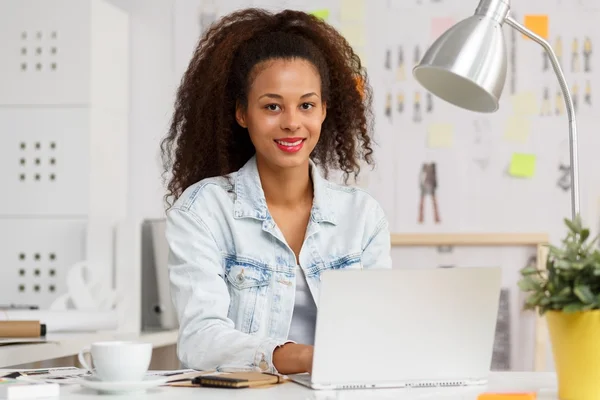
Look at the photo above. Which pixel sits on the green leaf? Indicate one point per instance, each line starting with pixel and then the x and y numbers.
pixel 529 271
pixel 585 233
pixel 528 284
pixel 572 225
pixel 573 307
pixel 584 294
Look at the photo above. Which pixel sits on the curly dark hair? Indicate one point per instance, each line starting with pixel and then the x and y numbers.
pixel 204 138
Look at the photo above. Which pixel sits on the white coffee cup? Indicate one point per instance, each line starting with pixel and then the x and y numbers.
pixel 118 361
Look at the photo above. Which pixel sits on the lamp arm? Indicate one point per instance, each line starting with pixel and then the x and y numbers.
pixel 569 107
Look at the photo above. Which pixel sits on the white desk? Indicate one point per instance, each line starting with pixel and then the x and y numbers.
pixel 544 383
pixel 69 344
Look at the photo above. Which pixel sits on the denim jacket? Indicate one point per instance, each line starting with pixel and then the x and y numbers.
pixel 232 274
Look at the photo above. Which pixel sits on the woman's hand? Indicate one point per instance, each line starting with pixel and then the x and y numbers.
pixel 293 358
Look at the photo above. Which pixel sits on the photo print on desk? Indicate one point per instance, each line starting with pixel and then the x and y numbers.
pixel 428 186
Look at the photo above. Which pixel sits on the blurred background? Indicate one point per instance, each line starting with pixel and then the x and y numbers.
pixel 86 95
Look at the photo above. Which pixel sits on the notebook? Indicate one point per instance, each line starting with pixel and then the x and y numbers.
pixel 237 380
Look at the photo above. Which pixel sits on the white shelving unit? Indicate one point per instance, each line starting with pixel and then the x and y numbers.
pixel 64 112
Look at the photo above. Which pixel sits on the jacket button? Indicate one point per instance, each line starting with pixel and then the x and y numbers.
pixel 263 365
pixel 240 277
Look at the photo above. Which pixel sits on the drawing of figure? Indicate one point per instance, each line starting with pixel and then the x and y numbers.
pixel 575 96
pixel 429 102
pixel 417 55
pixel 546 108
pixel 400 102
pixel 388 105
pixel 560 103
pixel 558 49
pixel 575 56
pixel 388 59
pixel 588 93
pixel 587 55
pixel 400 69
pixel 417 108
pixel 428 186
pixel 546 59
pixel 564 180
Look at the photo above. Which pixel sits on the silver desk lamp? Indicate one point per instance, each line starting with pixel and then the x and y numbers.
pixel 466 66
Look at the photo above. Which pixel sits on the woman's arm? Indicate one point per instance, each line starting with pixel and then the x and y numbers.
pixel 207 337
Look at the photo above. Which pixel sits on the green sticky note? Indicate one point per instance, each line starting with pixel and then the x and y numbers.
pixel 522 165
pixel 323 14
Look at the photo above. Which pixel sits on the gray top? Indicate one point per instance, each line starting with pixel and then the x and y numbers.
pixel 304 316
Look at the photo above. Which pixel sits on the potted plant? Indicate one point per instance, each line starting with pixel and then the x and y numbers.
pixel 567 293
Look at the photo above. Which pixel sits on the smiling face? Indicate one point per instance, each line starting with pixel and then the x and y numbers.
pixel 284 112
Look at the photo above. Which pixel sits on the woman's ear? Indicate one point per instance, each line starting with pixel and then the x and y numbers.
pixel 240 115
pixel 324 112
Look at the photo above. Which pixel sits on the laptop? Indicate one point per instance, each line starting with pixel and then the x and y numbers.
pixel 386 328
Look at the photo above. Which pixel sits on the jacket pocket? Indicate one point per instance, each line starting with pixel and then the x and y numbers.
pixel 248 286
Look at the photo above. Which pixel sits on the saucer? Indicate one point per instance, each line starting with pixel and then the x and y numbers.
pixel 111 387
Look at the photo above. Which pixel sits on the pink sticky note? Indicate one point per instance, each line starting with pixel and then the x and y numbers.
pixel 440 25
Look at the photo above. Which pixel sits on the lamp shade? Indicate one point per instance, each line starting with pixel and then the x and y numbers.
pixel 466 66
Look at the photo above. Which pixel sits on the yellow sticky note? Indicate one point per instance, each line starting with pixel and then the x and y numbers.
pixel 354 34
pixel 525 103
pixel 352 10
pixel 517 129
pixel 440 25
pixel 522 165
pixel 538 24
pixel 323 14
pixel 440 135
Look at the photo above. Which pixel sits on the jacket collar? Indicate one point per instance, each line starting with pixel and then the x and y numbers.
pixel 250 199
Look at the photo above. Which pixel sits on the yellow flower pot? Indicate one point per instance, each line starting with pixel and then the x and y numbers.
pixel 575 339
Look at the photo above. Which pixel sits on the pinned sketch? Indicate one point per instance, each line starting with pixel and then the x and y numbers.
pixel 563 180
pixel 440 136
pixel 524 103
pixel 558 50
pixel 538 24
pixel 482 143
pixel 546 109
pixel 546 61
pixel 522 165
pixel 388 59
pixel 428 186
pixel 400 74
pixel 417 117
pixel 560 103
pixel 440 25
pixel 417 58
pixel 588 93
pixel 322 14
pixel 388 105
pixel 429 98
pixel 575 55
pixel 517 129
pixel 587 53
pixel 400 101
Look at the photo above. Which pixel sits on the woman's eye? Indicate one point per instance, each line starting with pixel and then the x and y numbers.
pixel 272 107
pixel 307 106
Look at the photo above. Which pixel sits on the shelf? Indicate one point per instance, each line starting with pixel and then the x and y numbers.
pixel 65 345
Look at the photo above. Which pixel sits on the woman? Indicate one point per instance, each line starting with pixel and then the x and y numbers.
pixel 267 101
